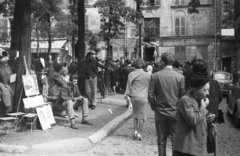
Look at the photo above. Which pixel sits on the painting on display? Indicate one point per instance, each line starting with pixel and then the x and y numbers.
pixel 45 116
pixel 30 85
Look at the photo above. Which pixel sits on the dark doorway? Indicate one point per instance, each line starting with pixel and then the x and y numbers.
pixel 226 64
pixel 148 53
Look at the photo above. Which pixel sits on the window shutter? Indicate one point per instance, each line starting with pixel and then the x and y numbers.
pixel 176 2
pixel 182 2
pixel 157 26
pixel 157 2
pixel 177 26
pixel 86 22
pixel 183 26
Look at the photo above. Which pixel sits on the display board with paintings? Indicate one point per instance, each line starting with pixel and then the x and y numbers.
pixel 30 85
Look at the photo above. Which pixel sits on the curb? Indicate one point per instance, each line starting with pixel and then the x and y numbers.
pixel 108 128
pixel 84 143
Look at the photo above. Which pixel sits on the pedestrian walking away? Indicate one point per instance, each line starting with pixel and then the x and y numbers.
pixel 166 87
pixel 137 89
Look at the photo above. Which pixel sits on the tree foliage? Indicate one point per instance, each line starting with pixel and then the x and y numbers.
pixel 192 6
pixel 3 8
pixel 93 42
pixel 149 31
pixel 113 13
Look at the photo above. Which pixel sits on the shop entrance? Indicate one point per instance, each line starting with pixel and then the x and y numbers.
pixel 148 53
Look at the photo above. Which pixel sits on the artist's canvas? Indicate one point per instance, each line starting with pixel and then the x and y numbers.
pixel 30 85
pixel 45 116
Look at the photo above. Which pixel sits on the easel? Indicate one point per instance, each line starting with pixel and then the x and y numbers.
pixel 34 103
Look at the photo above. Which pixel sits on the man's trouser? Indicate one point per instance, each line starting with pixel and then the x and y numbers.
pixel 165 126
pixel 91 90
pixel 69 106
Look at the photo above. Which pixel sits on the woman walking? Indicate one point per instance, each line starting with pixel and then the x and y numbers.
pixel 137 90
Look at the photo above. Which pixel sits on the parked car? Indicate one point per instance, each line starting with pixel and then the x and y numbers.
pixel 233 101
pixel 224 79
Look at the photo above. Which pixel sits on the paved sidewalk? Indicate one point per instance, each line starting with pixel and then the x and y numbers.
pixel 109 113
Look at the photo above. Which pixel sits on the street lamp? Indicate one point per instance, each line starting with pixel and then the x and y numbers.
pixel 140 20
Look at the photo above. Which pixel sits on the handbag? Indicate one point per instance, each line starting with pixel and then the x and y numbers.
pixel 211 148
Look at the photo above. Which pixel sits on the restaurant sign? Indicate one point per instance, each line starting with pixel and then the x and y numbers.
pixel 186 42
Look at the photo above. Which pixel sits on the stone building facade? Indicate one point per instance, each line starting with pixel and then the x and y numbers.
pixel 187 36
pixel 236 54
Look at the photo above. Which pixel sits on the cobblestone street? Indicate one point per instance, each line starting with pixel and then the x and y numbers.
pixel 121 142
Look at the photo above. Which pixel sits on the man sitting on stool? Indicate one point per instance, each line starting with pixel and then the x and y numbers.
pixel 70 99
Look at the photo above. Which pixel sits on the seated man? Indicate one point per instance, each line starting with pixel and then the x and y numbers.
pixel 70 99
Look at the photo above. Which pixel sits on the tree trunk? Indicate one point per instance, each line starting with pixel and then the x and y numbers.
pixel 73 34
pixel 73 46
pixel 37 36
pixel 21 41
pixel 49 37
pixel 107 76
pixel 81 30
pixel 81 44
pixel 49 43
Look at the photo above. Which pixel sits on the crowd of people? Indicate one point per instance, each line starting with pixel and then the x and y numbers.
pixel 184 98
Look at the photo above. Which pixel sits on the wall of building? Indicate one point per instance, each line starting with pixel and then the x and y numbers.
pixel 199 38
pixel 236 54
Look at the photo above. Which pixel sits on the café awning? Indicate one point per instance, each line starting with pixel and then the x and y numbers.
pixel 43 46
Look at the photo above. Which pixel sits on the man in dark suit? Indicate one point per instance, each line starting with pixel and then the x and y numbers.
pixel 87 74
pixel 125 72
pixel 166 87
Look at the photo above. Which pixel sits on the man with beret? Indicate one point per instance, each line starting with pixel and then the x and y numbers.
pixel 166 87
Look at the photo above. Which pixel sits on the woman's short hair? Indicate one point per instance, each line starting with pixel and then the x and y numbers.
pixel 167 58
pixel 58 67
pixel 139 63
pixel 176 64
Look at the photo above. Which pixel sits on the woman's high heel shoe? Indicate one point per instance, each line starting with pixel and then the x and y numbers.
pixel 135 135
pixel 139 137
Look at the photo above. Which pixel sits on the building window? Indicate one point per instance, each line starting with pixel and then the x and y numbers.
pixel 180 54
pixel 180 2
pixel 86 22
pixel 180 26
pixel 153 25
pixel 86 2
pixel 154 2
pixel 69 2
pixel 226 5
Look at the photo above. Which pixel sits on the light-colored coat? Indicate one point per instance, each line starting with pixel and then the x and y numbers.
pixel 191 129
pixel 137 84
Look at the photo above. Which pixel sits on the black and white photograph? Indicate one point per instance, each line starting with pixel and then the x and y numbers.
pixel 120 77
